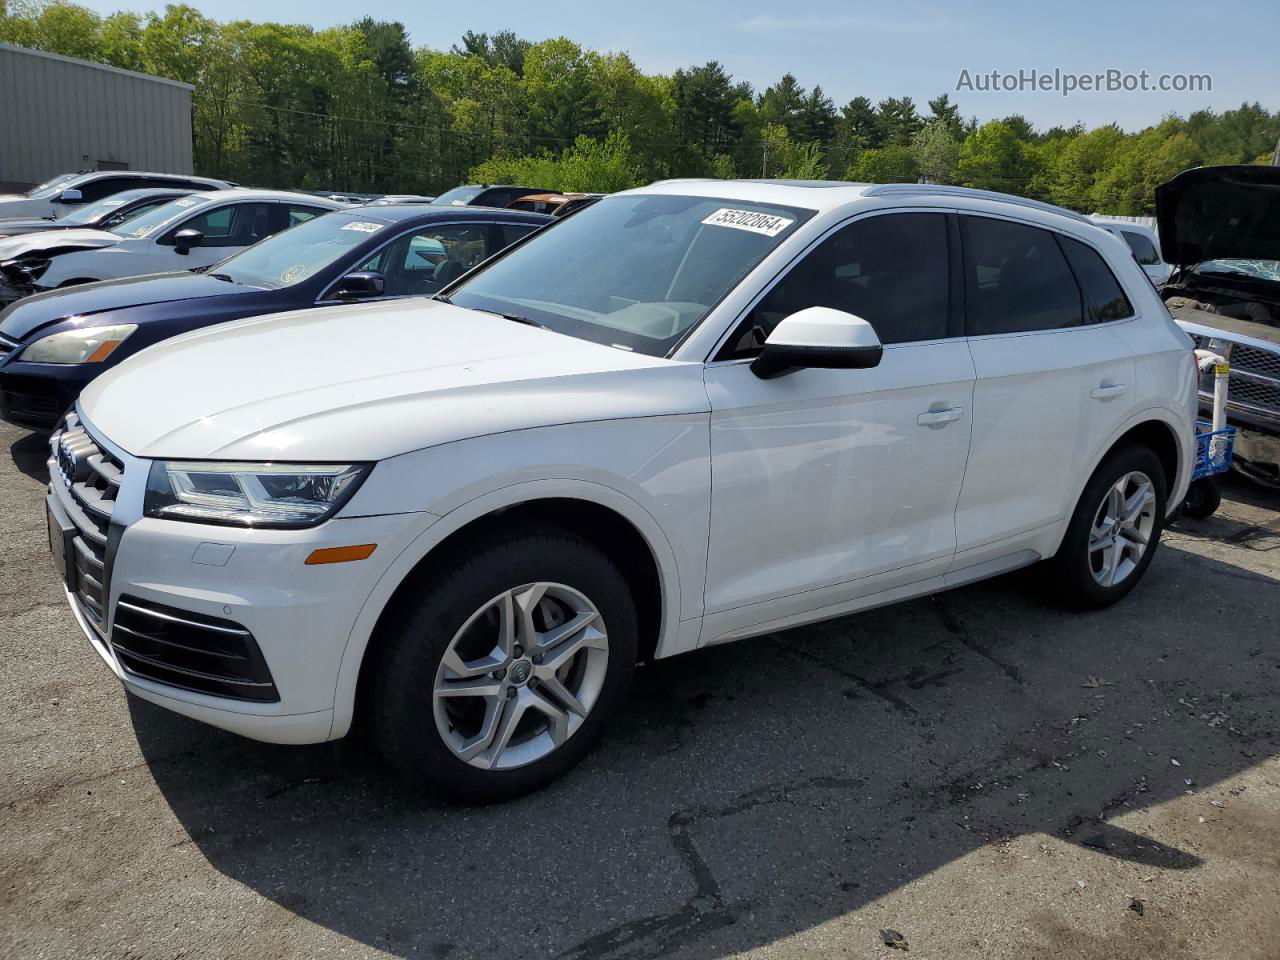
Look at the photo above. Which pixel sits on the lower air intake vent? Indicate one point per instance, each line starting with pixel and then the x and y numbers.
pixel 190 650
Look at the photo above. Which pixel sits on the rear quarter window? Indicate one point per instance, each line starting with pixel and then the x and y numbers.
pixel 1103 296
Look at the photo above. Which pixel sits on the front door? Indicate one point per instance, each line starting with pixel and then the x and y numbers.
pixel 830 485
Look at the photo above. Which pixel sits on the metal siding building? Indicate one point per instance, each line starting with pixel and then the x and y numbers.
pixel 59 115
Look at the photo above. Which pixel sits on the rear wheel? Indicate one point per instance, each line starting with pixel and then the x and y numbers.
pixel 1114 531
pixel 500 677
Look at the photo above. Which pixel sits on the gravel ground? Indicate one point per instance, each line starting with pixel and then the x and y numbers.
pixel 975 772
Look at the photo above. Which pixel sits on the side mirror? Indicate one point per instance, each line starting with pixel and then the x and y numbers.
pixel 818 337
pixel 71 195
pixel 184 240
pixel 362 283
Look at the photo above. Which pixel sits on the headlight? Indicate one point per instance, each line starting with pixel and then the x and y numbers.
pixel 250 494
pixel 89 345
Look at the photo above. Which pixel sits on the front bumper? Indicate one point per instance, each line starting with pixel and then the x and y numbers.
pixel 300 617
pixel 36 395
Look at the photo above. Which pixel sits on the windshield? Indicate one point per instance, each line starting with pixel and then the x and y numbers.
pixel 50 187
pixel 635 272
pixel 1261 269
pixel 158 218
pixel 457 197
pixel 93 212
pixel 297 253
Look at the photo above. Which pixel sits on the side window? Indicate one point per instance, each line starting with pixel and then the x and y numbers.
pixel 511 232
pixel 424 261
pixel 103 187
pixel 1016 279
pixel 890 270
pixel 1144 251
pixel 230 225
pixel 1103 295
pixel 300 214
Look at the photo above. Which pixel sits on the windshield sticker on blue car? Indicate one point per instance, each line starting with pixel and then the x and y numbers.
pixel 363 227
pixel 186 202
pixel 752 220
pixel 293 273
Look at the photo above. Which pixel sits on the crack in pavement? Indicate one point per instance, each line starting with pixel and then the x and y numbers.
pixel 876 689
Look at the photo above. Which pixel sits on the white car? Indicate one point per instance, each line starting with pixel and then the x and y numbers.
pixel 192 231
pixel 61 195
pixel 692 413
pixel 1144 243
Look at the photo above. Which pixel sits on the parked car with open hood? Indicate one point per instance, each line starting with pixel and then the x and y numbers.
pixel 192 231
pixel 483 195
pixel 53 344
pixel 691 413
pixel 100 215
pixel 1220 227
pixel 60 195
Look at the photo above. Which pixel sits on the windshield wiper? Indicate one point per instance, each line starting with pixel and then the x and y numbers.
pixel 222 276
pixel 516 318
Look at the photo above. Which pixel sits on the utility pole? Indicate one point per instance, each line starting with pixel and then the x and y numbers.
pixel 764 166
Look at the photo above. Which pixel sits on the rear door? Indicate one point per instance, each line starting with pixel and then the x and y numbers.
pixel 1052 382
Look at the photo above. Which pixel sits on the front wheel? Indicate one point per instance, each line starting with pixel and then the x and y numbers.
pixel 1114 531
pixel 500 677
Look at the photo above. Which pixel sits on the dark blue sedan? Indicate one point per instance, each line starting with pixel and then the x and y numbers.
pixel 54 343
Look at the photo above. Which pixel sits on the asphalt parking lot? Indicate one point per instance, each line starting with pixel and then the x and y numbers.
pixel 977 772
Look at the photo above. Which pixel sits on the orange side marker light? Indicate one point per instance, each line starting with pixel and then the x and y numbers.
pixel 341 554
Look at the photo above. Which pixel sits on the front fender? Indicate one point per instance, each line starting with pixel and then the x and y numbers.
pixel 653 472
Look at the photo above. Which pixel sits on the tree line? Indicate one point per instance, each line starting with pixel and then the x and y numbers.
pixel 359 108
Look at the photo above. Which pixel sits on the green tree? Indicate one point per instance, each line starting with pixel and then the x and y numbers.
pixel 993 158
pixel 935 152
pixel 893 163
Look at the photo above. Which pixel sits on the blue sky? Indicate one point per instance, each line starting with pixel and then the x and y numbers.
pixel 875 48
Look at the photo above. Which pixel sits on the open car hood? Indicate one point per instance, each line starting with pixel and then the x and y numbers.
pixel 1217 213
pixel 62 241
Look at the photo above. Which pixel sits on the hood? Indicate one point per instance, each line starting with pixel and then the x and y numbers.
pixel 88 299
pixel 370 382
pixel 1216 213
pixel 16 226
pixel 61 240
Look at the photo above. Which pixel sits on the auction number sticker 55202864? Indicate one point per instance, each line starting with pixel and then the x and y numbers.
pixel 766 223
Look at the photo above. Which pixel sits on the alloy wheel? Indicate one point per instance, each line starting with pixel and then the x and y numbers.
pixel 521 676
pixel 1122 528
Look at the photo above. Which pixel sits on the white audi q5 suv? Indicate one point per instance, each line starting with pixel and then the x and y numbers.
pixel 691 413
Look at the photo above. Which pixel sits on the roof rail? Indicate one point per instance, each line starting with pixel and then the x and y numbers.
pixel 939 190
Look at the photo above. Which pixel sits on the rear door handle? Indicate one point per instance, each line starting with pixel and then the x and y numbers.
pixel 1105 391
pixel 935 417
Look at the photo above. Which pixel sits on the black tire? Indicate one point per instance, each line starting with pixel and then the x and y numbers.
pixel 1073 581
pixel 413 645
pixel 1203 499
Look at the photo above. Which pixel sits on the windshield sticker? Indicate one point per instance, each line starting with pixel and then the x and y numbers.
pixel 112 203
pixel 186 202
pixel 457 203
pixel 363 227
pixel 763 223
pixel 293 273
pixel 141 232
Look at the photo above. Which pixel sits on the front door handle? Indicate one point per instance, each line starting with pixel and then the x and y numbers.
pixel 935 417
pixel 1105 391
